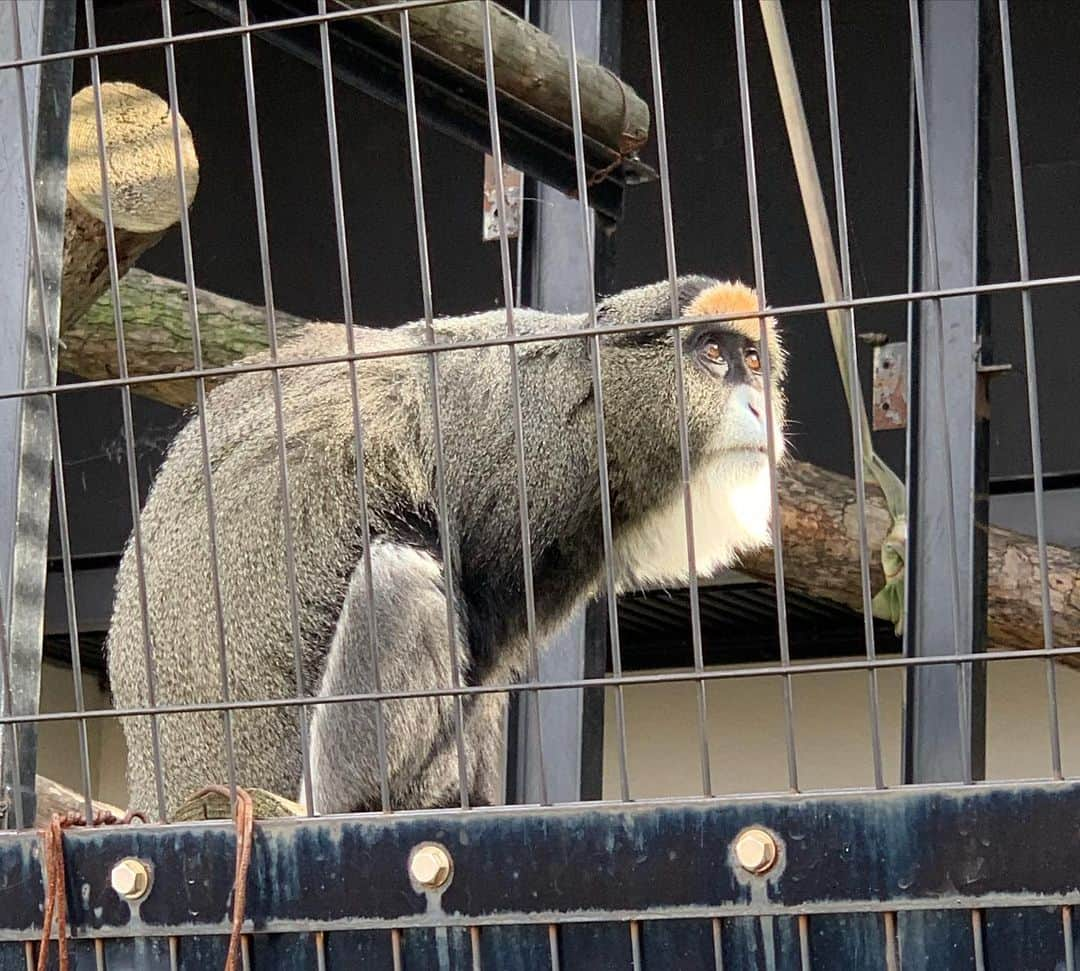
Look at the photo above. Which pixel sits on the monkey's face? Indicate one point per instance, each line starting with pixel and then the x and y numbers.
pixel 726 380
pixel 731 369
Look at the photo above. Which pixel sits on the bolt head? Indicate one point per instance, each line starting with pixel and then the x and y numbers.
pixel 130 878
pixel 430 866
pixel 756 851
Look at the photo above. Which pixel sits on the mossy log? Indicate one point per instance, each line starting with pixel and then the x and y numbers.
pixel 820 529
pixel 158 335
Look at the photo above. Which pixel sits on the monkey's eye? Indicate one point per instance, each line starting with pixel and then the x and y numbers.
pixel 752 360
pixel 712 351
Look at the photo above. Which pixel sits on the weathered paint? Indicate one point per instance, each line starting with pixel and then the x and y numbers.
pixel 902 849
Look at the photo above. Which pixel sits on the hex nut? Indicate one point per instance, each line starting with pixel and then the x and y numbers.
pixel 755 850
pixel 430 866
pixel 130 878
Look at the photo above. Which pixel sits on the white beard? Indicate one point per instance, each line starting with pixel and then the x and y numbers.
pixel 731 504
pixel 731 500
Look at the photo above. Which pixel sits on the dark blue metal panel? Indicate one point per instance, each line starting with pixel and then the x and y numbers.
pixel 521 947
pixel 677 944
pixel 437 949
pixel 906 849
pixel 371 950
pixel 595 945
pixel 936 939
pixel 860 938
pixel 760 944
pixel 1031 938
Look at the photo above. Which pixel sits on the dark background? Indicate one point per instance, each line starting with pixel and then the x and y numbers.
pixel 710 209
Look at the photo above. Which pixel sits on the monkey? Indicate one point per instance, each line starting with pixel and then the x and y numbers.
pixel 424 620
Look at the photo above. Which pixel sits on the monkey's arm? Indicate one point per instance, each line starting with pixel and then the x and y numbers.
pixel 412 653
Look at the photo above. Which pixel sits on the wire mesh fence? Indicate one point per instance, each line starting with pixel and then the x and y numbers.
pixel 415 527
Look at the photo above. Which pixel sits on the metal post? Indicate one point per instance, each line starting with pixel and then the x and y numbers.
pixel 29 321
pixel 947 551
pixel 572 720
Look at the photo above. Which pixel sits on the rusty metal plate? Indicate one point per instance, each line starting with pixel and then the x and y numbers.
pixel 890 386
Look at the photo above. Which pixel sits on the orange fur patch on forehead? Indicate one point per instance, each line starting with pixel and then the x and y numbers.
pixel 734 297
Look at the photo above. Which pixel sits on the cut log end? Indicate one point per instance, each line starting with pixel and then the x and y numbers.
pixel 143 184
pixel 52 797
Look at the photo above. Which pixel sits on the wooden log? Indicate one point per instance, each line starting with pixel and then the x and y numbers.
pixel 143 187
pixel 55 798
pixel 819 516
pixel 264 804
pixel 158 335
pixel 818 507
pixel 529 66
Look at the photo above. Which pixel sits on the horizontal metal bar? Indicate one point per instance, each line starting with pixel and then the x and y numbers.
pixel 900 849
pixel 239 30
pixel 756 671
pixel 538 337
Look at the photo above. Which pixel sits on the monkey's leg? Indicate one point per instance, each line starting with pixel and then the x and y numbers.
pixel 413 655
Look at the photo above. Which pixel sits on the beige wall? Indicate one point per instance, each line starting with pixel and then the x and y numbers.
pixel 745 732
pixel 58 742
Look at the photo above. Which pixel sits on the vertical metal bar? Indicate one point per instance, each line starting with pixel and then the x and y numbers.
pixel 279 412
pixel 1067 934
pixel 1034 425
pixel 358 430
pixel 519 248
pixel 174 952
pixel 598 396
pixel 125 401
pixel 200 390
pixel 9 741
pixel 635 944
pixel 892 949
pixel 804 942
pixel 977 940
pixel 553 946
pixel 320 936
pixel 474 931
pixel 944 540
pixel 717 944
pixel 853 379
pixel 433 376
pixel 570 720
pixel 533 673
pixel 30 428
pixel 395 948
pixel 766 367
pixel 910 443
pixel 680 392
pixel 99 954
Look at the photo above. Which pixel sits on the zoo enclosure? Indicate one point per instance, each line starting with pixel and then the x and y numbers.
pixel 945 609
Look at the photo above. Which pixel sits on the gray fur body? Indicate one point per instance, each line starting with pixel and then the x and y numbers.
pixel 408 590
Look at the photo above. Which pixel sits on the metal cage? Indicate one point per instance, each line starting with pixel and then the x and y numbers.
pixel 930 863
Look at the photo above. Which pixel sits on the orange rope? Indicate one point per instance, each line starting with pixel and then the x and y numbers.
pixel 55 882
pixel 245 818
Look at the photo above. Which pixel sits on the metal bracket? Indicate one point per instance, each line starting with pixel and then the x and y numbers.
pixel 890 406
